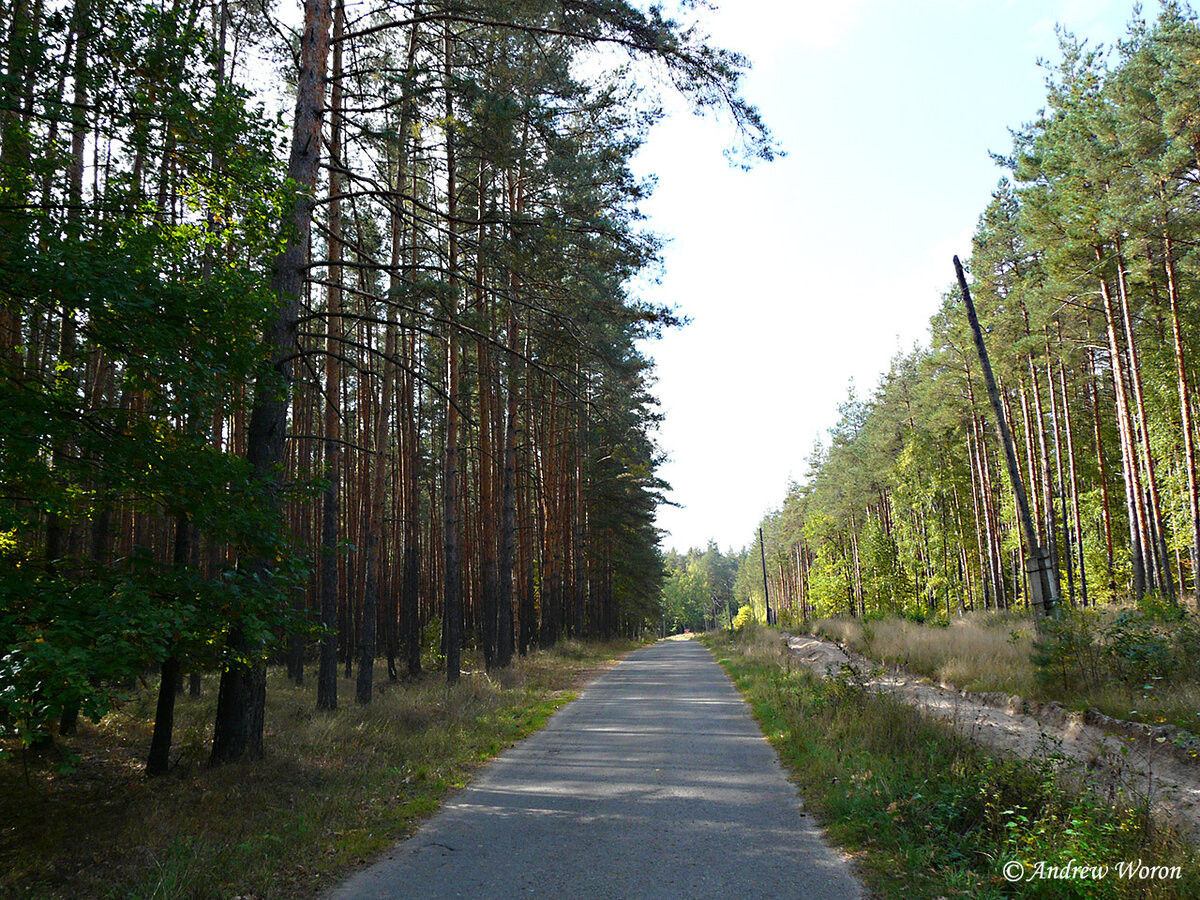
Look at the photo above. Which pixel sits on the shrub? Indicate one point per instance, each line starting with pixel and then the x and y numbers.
pixel 1138 647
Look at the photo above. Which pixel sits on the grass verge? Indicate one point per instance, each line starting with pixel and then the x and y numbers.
pixel 926 813
pixel 334 791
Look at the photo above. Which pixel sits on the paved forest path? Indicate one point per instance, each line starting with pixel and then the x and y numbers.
pixel 654 783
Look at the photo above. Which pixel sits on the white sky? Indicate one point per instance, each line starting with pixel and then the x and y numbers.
pixel 814 270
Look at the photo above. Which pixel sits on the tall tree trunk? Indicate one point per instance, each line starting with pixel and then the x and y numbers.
pixel 1128 445
pixel 508 504
pixel 241 701
pixel 330 585
pixel 1074 479
pixel 1047 593
pixel 1058 463
pixel 450 500
pixel 1155 533
pixel 1185 410
pixel 370 608
pixel 1102 470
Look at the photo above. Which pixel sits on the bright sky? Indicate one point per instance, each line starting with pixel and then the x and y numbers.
pixel 816 269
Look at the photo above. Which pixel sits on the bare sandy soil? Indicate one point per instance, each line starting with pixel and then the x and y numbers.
pixel 1114 758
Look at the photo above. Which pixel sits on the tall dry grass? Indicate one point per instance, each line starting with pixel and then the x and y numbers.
pixel 981 651
pixel 1116 659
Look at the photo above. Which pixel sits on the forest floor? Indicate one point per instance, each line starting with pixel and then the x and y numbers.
pixel 334 790
pixel 1113 758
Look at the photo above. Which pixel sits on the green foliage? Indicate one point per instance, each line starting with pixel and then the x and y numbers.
pixel 698 591
pixel 1139 647
pixel 432 652
pixel 744 617
pixel 1065 653
pixel 1139 650
pixel 159 315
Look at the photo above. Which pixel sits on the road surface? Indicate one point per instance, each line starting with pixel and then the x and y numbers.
pixel 654 783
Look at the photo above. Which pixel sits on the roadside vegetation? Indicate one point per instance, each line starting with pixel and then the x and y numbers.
pixel 1136 663
pixel 334 791
pixel 927 813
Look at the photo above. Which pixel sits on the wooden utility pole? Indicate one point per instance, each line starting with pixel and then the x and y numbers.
pixel 1041 579
pixel 762 549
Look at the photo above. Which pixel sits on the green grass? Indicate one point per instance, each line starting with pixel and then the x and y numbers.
pixel 924 812
pixel 334 791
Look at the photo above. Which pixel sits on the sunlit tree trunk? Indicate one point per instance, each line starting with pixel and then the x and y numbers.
pixel 1160 558
pixel 1128 445
pixel 1185 410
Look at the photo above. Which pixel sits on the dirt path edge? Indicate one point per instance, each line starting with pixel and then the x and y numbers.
pixel 1111 756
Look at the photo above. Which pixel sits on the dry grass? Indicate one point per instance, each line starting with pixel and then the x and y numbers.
pixel 334 790
pixel 761 645
pixel 995 652
pixel 979 651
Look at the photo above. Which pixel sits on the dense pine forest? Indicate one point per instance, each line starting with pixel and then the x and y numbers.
pixel 341 383
pixel 1085 271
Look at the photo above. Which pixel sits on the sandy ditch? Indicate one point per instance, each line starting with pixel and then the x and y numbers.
pixel 1110 756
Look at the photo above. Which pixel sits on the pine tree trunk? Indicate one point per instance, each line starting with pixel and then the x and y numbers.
pixel 1156 539
pixel 1074 480
pixel 1037 497
pixel 1102 470
pixel 241 700
pixel 488 509
pixel 330 587
pixel 450 499
pixel 1128 451
pixel 508 503
pixel 982 525
pixel 159 759
pixel 1058 464
pixel 370 608
pixel 1185 409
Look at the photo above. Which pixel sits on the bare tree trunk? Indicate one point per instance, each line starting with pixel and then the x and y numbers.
pixel 1074 481
pixel 1185 410
pixel 1058 462
pixel 330 585
pixel 159 759
pixel 1128 446
pixel 1102 470
pixel 1155 535
pixel 453 585
pixel 241 701
pixel 1046 595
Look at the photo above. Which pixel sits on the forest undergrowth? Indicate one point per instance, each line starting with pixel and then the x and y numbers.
pixel 1136 663
pixel 927 813
pixel 335 790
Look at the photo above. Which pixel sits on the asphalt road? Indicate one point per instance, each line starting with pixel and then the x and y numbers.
pixel 654 783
